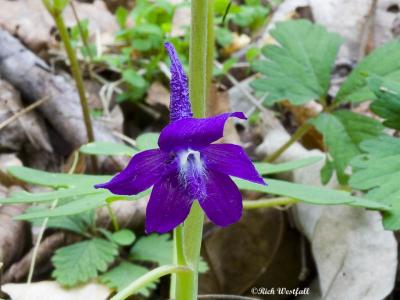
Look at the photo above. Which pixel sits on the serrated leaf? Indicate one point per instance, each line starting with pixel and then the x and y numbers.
pixel 123 237
pixel 266 168
pixel 299 68
pixel 155 248
pixel 343 131
pixel 83 261
pixel 308 194
pixel 107 148
pixel 125 273
pixel 384 61
pixel 387 104
pixel 378 171
pixel 147 141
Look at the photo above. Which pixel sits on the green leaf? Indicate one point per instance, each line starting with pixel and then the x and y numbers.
pixel 61 194
pixel 107 148
pixel 85 203
pixel 308 194
pixel 327 171
pixel 384 61
pixel 55 180
pixel 121 15
pixel 299 68
pixel 266 168
pixel 387 104
pixel 155 248
pixel 147 141
pixel 343 131
pixel 378 171
pixel 124 274
pixel 123 237
pixel 77 223
pixel 223 36
pixel 133 78
pixel 83 261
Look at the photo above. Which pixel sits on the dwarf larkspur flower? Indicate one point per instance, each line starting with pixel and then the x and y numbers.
pixel 187 167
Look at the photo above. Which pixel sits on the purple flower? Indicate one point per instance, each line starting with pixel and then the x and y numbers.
pixel 187 167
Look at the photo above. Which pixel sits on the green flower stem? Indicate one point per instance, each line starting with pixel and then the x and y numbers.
pixel 200 63
pixel 149 277
pixel 302 130
pixel 272 202
pixel 198 57
pixel 179 257
pixel 210 47
pixel 113 217
pixel 75 70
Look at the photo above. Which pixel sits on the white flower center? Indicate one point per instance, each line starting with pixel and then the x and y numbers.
pixel 192 173
pixel 190 157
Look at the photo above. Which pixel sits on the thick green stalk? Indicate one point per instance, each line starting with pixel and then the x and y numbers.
pixel 198 57
pixel 76 73
pixel 187 283
pixel 210 48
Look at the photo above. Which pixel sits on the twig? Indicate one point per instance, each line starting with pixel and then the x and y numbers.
pixel 367 32
pixel 302 130
pixel 22 112
pixel 83 37
pixel 125 138
pixel 248 95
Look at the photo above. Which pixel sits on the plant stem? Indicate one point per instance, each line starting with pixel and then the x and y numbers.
pixel 302 130
pixel 272 202
pixel 81 33
pixel 76 73
pixel 210 48
pixel 149 277
pixel 113 217
pixel 187 283
pixel 198 57
pixel 179 257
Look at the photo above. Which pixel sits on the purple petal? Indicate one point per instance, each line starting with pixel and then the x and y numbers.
pixel 168 206
pixel 194 133
pixel 223 203
pixel 231 160
pixel 143 170
pixel 179 106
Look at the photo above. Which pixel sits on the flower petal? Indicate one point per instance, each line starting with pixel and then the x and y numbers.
pixel 194 133
pixel 179 106
pixel 143 170
pixel 168 206
pixel 231 160
pixel 223 203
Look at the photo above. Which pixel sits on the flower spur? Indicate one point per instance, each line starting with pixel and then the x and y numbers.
pixel 187 166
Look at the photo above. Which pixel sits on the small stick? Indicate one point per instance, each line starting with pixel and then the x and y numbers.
pixel 23 112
